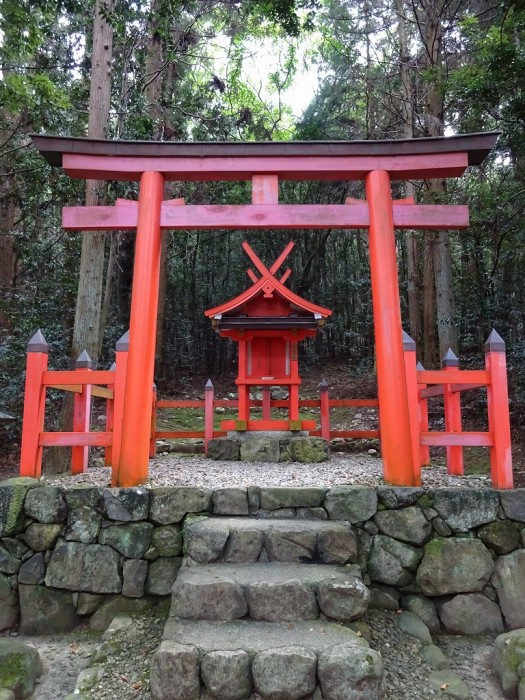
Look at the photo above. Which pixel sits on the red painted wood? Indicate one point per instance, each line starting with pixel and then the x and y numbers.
pixel 452 403
pixel 121 368
pixel 265 189
pixel 266 403
pixel 278 381
pixel 136 424
pixel 355 434
pixel 208 415
pixel 430 391
pixel 185 169
pixel 75 439
pixel 324 400
pixel 81 423
pixel 499 424
pixel 33 418
pixel 185 434
pixel 108 452
pixel 413 410
pixel 264 216
pixel 466 439
pixel 79 376
pixel 394 417
pixel 269 425
pixel 466 387
pixel 424 451
pixel 453 376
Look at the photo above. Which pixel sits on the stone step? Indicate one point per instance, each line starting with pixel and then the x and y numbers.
pixel 273 592
pixel 278 661
pixel 243 540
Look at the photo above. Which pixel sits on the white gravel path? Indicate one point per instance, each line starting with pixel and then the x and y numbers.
pixel 195 470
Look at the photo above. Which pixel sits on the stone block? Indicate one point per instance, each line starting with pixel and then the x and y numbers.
pixel 275 497
pixel 32 570
pixel 175 672
pixel 399 496
pixel 337 543
pixel 286 601
pixel 83 495
pixel 406 524
pixel 351 672
pixel 312 513
pixel 116 605
pixel 353 503
pixel 40 536
pixel 93 568
pixel 83 525
pixel 450 683
pixel 224 449
pixel 46 504
pixel 134 572
pixel 434 657
pixel 12 496
pixel 162 574
pixel 230 501
pixel 392 562
pixel 44 610
pixel 424 608
pixel 130 539
pixel 170 504
pixel 87 603
pixel 9 607
pixel 453 565
pixel 309 450
pixel 343 601
pixel 286 673
pixel 463 509
pixel 513 504
pixel 207 596
pixel 470 614
pixel 167 540
pixel 502 536
pixel 413 625
pixel 259 449
pixel 127 504
pixel 227 675
pixel 8 563
pixel 20 666
pixel 509 655
pixel 244 545
pixel 383 597
pixel 291 545
pixel 204 543
pixel 16 547
pixel 509 582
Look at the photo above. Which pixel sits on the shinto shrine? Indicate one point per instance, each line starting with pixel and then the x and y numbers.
pixel 268 321
pixel 402 389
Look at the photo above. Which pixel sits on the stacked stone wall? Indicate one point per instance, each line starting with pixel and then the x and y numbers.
pixel 455 556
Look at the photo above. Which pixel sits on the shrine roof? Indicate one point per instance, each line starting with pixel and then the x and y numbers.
pixel 476 145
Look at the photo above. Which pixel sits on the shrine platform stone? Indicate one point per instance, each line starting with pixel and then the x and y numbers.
pixel 276 660
pixel 269 447
pixel 273 592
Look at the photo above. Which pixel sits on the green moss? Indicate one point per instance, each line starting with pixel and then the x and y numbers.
pixel 435 546
pixel 18 488
pixel 425 501
pixel 11 670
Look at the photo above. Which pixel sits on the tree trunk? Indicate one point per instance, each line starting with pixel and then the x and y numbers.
pixel 87 327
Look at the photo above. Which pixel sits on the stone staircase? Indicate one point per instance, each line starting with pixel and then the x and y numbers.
pixel 256 612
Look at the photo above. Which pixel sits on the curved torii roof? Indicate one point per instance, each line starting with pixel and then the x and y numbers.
pixel 267 284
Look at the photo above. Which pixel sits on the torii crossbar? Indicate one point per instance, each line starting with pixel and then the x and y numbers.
pixel 264 164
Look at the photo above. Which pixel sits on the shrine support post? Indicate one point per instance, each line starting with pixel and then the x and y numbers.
pixel 136 424
pixel 394 419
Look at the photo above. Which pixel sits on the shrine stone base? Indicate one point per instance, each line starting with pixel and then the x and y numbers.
pixel 269 447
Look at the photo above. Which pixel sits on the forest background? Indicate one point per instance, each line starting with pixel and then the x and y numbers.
pixel 222 70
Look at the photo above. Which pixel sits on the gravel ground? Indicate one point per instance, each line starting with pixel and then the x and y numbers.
pixel 126 674
pixel 194 470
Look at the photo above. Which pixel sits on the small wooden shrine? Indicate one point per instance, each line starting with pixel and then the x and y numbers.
pixel 268 321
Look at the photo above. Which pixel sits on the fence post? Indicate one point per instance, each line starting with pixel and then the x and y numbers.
pixel 208 414
pixel 266 403
pixel 498 410
pixel 108 452
pixel 119 395
pixel 81 418
pixel 452 401
pixel 153 441
pixel 34 406
pixel 324 400
pixel 409 355
pixel 424 450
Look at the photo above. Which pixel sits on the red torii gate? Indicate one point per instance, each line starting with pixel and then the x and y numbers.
pixel 375 162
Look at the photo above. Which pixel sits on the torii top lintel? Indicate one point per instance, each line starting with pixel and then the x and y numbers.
pixel 294 160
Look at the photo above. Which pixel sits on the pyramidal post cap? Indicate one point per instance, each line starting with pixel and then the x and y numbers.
pixel 420 367
pixel 84 361
pixel 209 385
pixel 450 359
pixel 113 367
pixel 38 343
pixel 323 384
pixel 408 342
pixel 123 343
pixel 494 342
